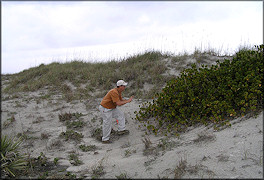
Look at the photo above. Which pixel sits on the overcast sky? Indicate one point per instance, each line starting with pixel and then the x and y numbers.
pixel 44 32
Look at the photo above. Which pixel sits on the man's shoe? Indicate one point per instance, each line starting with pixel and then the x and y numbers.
pixel 107 142
pixel 124 132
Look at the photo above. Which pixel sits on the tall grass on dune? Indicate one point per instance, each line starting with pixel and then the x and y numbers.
pixel 137 70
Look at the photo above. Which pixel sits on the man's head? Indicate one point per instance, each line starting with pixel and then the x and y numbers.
pixel 121 85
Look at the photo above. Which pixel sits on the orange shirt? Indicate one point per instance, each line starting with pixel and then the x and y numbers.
pixel 110 99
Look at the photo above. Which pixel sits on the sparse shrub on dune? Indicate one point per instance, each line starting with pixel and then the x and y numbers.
pixel 74 159
pixel 86 148
pixel 65 116
pixel 71 135
pixel 208 95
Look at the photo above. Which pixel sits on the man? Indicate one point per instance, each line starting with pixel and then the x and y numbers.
pixel 109 110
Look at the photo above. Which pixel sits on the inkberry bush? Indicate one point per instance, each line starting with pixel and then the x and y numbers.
pixel 204 95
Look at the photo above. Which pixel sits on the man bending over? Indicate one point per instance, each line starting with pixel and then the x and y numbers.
pixel 109 110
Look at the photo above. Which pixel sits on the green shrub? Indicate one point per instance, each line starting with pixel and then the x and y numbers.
pixel 208 95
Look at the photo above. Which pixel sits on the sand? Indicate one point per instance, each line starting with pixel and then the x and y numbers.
pixel 201 152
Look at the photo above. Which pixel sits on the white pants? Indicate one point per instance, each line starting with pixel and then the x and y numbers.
pixel 107 115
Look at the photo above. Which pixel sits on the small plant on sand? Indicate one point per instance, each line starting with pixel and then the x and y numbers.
pixel 74 159
pixel 180 170
pixel 126 145
pixel 97 133
pixel 69 116
pixel 9 121
pixel 165 144
pixel 44 135
pixel 93 120
pixel 22 135
pixel 128 152
pixel 204 137
pixel 148 147
pixel 70 175
pixel 41 168
pixel 98 170
pixel 77 115
pixel 11 160
pixel 184 169
pixel 222 158
pixel 55 144
pixel 65 116
pixel 86 148
pixel 55 160
pixel 44 175
pixel 73 135
pixel 147 142
pixel 122 176
pixel 75 124
pixel 70 96
pixel 42 159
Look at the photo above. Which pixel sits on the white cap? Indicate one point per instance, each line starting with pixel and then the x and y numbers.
pixel 121 83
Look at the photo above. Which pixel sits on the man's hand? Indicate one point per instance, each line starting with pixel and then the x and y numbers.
pixel 120 103
pixel 130 99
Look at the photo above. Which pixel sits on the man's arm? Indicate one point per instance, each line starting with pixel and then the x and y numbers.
pixel 122 102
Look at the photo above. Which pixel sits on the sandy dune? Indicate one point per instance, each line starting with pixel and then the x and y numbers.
pixel 202 152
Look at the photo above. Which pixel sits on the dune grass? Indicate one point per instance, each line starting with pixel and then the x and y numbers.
pixel 137 70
